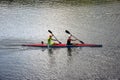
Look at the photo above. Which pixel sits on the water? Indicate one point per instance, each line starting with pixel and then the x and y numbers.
pixel 22 24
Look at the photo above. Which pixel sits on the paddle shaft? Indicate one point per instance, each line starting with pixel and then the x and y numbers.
pixel 54 36
pixel 74 36
pixel 77 39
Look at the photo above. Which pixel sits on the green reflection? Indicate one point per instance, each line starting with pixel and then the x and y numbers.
pixel 63 2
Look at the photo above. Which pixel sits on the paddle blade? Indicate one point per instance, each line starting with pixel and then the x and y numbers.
pixel 82 42
pixel 50 31
pixel 60 43
pixel 67 31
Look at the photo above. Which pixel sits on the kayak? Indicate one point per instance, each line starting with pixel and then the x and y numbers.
pixel 62 45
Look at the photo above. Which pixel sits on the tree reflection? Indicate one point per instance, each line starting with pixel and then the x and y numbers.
pixel 72 2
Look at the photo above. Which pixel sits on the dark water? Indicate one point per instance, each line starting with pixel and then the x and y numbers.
pixel 22 24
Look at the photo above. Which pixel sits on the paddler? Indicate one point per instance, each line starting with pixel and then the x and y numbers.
pixel 50 40
pixel 69 40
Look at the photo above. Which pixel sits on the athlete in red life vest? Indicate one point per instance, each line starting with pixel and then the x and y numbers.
pixel 69 40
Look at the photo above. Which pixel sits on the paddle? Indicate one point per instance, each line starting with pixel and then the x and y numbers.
pixel 73 36
pixel 54 36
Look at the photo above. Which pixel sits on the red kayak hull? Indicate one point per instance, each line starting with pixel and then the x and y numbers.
pixel 62 45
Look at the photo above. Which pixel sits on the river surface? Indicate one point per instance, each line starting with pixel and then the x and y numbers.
pixel 23 24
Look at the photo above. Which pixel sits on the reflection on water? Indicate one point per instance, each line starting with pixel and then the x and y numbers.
pixel 69 51
pixel 59 2
pixel 50 51
pixel 23 24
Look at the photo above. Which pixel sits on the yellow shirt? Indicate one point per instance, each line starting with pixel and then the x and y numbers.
pixel 50 41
